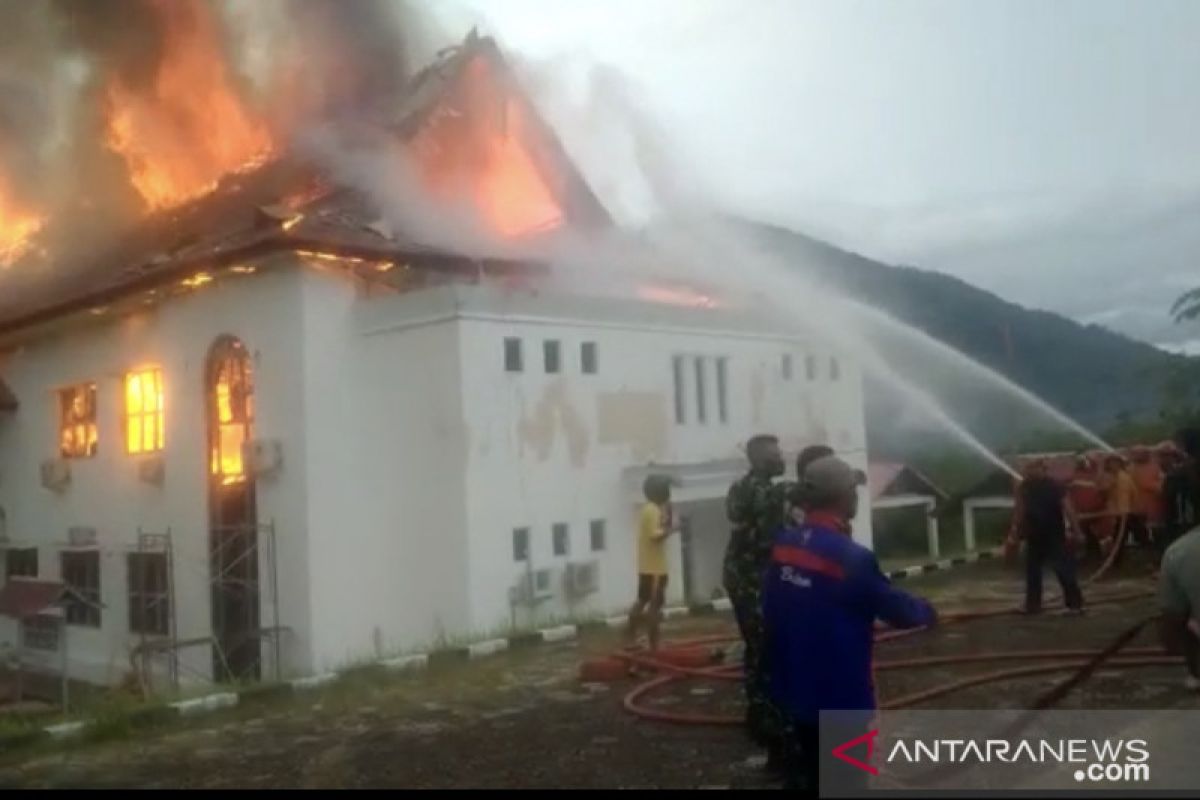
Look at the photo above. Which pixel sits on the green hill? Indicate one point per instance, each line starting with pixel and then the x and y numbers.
pixel 1097 377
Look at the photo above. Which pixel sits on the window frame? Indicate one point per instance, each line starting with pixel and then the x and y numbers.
pixel 598 531
pixel 158 414
pixel 701 376
pixel 41 632
pixel 151 601
pixel 552 356
pixel 8 562
pixel 65 398
pixel 722 376
pixel 514 354
pixel 560 532
pixel 678 370
pixel 589 358
pixel 521 545
pixel 82 606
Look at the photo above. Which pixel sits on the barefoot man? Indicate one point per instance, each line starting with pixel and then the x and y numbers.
pixel 655 525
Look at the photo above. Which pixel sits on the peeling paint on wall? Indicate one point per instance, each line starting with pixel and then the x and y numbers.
pixel 636 419
pixel 554 410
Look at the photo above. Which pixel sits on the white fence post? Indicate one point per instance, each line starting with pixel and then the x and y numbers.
pixel 931 522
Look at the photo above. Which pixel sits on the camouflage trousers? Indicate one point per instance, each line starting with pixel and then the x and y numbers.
pixel 762 721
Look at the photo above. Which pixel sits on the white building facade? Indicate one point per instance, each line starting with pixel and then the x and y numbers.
pixel 421 466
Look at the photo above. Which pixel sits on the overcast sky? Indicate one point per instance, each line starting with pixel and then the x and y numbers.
pixel 1045 149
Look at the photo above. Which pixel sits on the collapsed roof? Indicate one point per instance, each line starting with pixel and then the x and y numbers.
pixel 291 204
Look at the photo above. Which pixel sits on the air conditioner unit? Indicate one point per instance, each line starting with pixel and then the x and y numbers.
pixel 56 474
pixel 151 470
pixel 582 579
pixel 81 536
pixel 533 587
pixel 262 457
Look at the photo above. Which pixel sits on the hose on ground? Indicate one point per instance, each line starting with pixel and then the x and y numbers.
pixel 1081 663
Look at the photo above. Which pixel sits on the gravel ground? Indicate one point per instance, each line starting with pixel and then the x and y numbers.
pixel 523 720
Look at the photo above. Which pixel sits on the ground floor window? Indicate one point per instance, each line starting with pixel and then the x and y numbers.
pixel 40 633
pixel 81 574
pixel 149 600
pixel 21 562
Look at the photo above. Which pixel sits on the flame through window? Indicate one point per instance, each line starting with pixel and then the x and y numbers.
pixel 234 408
pixel 144 414
pixel 77 435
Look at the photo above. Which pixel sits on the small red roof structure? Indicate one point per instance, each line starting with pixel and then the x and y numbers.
pixel 22 598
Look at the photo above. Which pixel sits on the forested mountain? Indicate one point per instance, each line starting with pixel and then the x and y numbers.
pixel 1095 376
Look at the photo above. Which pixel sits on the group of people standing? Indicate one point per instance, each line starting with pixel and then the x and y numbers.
pixel 1108 504
pixel 800 585
pixel 1125 499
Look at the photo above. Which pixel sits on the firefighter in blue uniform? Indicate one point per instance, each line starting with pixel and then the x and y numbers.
pixel 822 594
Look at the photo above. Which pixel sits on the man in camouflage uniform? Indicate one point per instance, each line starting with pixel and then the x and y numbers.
pixel 755 507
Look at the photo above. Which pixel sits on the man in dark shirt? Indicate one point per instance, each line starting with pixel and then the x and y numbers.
pixel 1043 523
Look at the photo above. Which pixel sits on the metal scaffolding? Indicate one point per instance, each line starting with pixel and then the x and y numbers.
pixel 153 543
pixel 243 572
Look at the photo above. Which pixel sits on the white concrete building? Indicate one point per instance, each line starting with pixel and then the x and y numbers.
pixel 367 451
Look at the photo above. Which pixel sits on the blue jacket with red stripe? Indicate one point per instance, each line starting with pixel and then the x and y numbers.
pixel 822 593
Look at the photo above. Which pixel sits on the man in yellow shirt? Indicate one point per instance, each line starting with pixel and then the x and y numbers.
pixel 1122 505
pixel 655 524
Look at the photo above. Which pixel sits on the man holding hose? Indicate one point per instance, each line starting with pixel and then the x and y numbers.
pixel 822 594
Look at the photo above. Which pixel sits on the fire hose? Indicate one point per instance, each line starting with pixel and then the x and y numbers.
pixel 1081 663
pixel 1118 542
pixel 1046 700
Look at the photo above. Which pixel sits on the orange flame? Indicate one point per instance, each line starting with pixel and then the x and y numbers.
pixel 475 147
pixel 17 228
pixel 190 126
pixel 675 295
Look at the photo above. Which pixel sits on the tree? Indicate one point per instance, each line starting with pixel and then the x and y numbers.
pixel 1187 307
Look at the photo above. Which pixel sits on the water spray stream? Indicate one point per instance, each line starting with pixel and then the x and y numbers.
pixel 974 369
pixel 706 246
pixel 847 314
pixel 922 400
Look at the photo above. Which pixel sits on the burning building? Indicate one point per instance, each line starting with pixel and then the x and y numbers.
pixel 264 434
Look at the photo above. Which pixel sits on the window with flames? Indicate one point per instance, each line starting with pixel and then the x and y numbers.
pixel 144 416
pixel 234 398
pixel 77 436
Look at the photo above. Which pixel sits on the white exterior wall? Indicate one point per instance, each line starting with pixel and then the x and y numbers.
pixel 105 492
pixel 546 449
pixel 410 454
pixel 385 478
